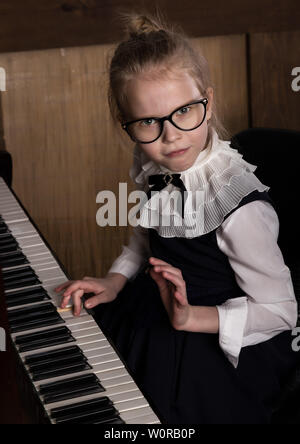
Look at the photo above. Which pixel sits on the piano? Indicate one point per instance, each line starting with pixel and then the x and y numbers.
pixel 72 371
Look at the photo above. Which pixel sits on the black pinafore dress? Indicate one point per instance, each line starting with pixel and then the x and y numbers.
pixel 186 376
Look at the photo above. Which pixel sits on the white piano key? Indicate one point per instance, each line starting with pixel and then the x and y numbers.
pixel 21 228
pixel 8 207
pixel 13 216
pixel 116 380
pixel 36 250
pixel 136 414
pixel 90 340
pixel 103 355
pixel 131 404
pixel 31 240
pixel 83 319
pixel 99 367
pixel 50 274
pixel 81 333
pixel 146 419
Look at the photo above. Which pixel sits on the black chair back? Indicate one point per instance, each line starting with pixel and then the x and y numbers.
pixel 275 152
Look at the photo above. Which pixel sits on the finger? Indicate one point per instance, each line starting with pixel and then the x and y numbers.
pixel 77 303
pixel 156 261
pixel 101 298
pixel 168 268
pixel 161 282
pixel 86 286
pixel 64 301
pixel 178 282
pixel 62 286
pixel 181 299
pixel 163 289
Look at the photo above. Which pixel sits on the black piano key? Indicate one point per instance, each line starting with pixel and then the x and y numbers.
pixel 86 412
pixel 64 371
pixel 93 411
pixel 13 259
pixel 71 388
pixel 45 321
pixel 70 410
pixel 43 339
pixel 20 277
pixel 9 247
pixel 72 365
pixel 24 282
pixel 52 355
pixel 4 228
pixel 29 312
pixel 26 296
pixel 20 272
pixel 27 318
pixel 6 239
pixel 57 363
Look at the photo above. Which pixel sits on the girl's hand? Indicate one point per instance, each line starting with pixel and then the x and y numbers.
pixel 172 291
pixel 103 289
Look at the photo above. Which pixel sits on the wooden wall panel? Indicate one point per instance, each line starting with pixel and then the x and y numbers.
pixel 65 148
pixel 227 60
pixel 274 103
pixel 41 24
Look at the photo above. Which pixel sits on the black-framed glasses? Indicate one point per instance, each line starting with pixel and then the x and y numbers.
pixel 186 118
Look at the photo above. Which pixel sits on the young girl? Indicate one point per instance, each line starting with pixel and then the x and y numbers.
pixel 206 329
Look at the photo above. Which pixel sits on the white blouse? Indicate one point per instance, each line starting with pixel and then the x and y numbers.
pixel 248 237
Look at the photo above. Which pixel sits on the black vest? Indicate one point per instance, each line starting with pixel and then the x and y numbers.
pixel 209 278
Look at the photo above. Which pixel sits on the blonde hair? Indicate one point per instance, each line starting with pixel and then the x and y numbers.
pixel 151 47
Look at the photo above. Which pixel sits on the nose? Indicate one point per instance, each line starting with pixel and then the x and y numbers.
pixel 170 132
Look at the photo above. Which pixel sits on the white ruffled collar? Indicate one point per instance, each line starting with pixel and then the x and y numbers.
pixel 215 183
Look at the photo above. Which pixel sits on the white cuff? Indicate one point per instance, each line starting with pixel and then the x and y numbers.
pixel 232 321
pixel 128 263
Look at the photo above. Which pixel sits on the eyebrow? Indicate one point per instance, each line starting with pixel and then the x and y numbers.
pixel 159 117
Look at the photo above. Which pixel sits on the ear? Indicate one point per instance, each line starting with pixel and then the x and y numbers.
pixel 210 95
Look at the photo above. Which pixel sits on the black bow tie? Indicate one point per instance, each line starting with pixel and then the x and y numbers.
pixel 160 181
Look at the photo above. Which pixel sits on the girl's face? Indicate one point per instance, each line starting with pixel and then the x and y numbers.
pixel 158 98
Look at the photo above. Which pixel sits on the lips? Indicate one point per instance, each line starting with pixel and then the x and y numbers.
pixel 177 152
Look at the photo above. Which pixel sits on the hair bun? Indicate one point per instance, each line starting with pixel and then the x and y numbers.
pixel 136 24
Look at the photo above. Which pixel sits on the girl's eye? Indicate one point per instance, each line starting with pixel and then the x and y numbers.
pixel 148 122
pixel 184 110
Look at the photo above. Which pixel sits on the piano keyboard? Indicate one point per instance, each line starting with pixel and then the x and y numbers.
pixel 75 371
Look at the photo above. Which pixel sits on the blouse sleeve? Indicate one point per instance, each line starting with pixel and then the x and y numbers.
pixel 134 255
pixel 249 238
